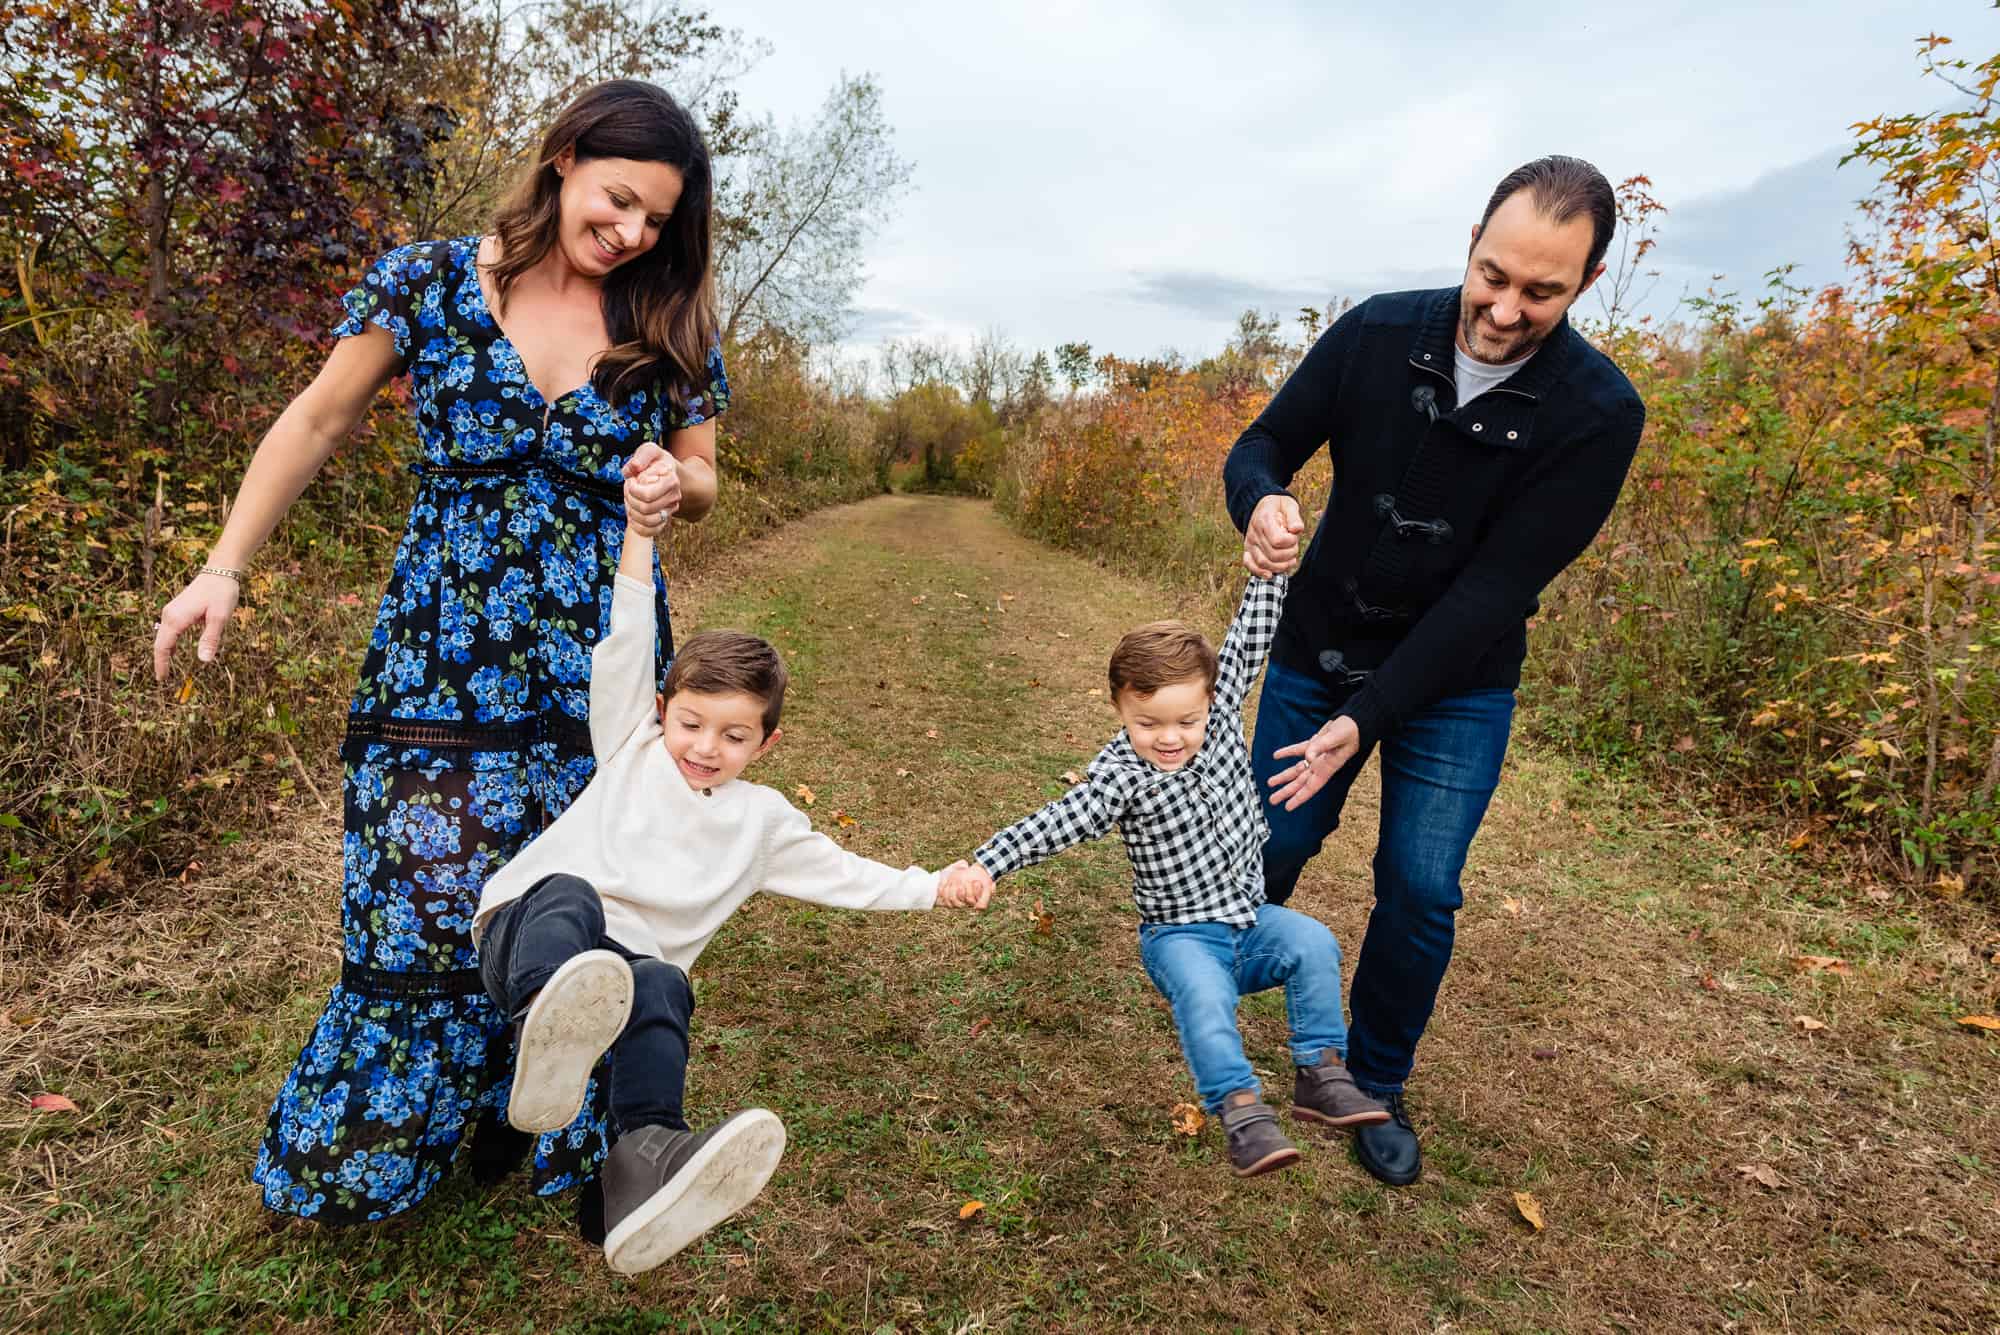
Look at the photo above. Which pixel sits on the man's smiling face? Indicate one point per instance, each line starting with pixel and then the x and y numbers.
pixel 1523 275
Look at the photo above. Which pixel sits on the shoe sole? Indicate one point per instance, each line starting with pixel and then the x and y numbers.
pixel 1347 1123
pixel 722 1177
pixel 1274 1160
pixel 578 1014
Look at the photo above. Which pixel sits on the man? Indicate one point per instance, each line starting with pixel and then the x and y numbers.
pixel 1478 443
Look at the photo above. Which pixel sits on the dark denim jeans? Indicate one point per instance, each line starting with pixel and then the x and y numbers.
pixel 560 917
pixel 1439 769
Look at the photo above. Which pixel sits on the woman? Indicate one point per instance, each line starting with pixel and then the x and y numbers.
pixel 539 357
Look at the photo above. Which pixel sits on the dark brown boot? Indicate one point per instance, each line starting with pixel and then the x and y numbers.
pixel 1327 1094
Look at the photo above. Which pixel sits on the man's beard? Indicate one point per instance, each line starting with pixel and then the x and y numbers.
pixel 1523 342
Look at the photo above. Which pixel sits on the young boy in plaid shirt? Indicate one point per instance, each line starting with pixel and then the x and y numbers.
pixel 1182 794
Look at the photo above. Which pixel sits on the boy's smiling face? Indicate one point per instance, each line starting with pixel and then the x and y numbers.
pixel 1166 728
pixel 713 737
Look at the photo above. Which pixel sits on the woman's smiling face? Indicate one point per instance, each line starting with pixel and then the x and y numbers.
pixel 613 209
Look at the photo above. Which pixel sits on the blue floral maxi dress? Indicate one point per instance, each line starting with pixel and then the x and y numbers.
pixel 467 735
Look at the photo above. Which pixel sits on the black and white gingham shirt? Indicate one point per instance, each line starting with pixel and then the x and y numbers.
pixel 1195 835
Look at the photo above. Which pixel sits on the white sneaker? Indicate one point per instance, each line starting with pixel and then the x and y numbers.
pixel 579 1013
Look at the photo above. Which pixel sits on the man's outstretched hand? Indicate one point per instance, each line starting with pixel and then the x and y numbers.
pixel 1320 758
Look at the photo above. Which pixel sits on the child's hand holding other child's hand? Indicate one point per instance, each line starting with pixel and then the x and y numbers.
pixel 652 489
pixel 964 885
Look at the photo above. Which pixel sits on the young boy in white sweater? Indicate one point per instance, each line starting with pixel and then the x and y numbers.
pixel 587 936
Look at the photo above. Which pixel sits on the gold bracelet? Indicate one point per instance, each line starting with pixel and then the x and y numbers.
pixel 223 571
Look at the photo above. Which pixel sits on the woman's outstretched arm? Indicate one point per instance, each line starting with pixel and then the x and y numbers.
pixel 292 451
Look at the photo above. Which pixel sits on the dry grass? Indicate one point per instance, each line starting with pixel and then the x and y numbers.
pixel 1616 1036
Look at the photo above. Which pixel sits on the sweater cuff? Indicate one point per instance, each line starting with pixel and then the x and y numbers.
pixel 1371 713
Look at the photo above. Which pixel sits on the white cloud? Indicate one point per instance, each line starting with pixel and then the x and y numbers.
pixel 1078 165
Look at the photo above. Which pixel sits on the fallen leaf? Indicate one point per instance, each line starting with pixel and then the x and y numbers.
pixel 1708 983
pixel 1684 743
pixel 843 820
pixel 1045 921
pixel 1762 1174
pixel 805 794
pixel 1530 1208
pixel 1512 905
pixel 1807 1024
pixel 970 1208
pixel 1188 1119
pixel 1799 840
pixel 1949 884
pixel 186 692
pixel 1980 1021
pixel 51 1103
pixel 981 1025
pixel 1071 777
pixel 1821 964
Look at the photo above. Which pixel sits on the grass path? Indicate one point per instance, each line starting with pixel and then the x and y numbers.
pixel 1617 1036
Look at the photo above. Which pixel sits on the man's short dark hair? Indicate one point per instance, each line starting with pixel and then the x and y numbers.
pixel 729 662
pixel 1564 188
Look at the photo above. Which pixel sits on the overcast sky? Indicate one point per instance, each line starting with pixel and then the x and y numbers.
pixel 1135 173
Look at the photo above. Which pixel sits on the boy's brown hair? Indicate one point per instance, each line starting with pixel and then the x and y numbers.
pixel 1158 654
pixel 729 662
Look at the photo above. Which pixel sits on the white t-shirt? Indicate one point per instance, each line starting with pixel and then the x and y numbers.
pixel 1475 377
pixel 670 864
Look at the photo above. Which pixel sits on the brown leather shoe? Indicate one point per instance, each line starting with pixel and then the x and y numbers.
pixel 1327 1094
pixel 1256 1145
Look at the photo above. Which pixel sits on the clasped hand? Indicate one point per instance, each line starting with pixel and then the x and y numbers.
pixel 1271 538
pixel 652 489
pixel 964 885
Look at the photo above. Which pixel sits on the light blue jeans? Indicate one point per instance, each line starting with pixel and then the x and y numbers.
pixel 1204 968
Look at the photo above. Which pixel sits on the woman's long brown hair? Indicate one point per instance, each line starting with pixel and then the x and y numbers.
pixel 660 306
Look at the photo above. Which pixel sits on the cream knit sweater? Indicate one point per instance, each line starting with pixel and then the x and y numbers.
pixel 670 862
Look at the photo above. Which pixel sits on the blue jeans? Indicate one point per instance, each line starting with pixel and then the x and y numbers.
pixel 1439 769
pixel 1204 968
